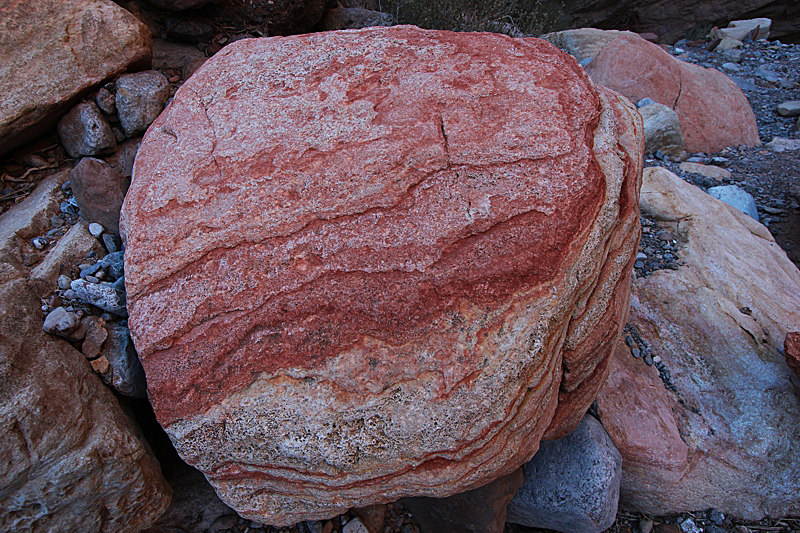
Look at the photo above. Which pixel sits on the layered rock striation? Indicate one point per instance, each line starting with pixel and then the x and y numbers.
pixel 371 264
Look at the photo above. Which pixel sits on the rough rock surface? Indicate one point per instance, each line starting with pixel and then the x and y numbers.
pixel 99 190
pixel 583 43
pixel 791 348
pixel 140 99
pixel 662 130
pixel 481 510
pixel 726 437
pixel 571 484
pixel 713 111
pixel 60 50
pixel 674 19
pixel 377 298
pixel 70 459
pixel 85 131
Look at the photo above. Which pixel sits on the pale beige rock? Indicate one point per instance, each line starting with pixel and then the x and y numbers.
pixel 26 220
pixel 583 43
pixel 52 52
pixel 70 250
pixel 740 29
pixel 728 43
pixel 662 131
pixel 70 459
pixel 727 438
pixel 709 171
pixel 360 319
pixel 782 144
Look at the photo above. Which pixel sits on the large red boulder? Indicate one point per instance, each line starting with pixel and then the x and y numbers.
pixel 380 263
pixel 713 111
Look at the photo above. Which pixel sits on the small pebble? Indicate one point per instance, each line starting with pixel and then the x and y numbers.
pixel 688 526
pixel 648 359
pixel 636 352
pixel 96 230
pixel 92 279
pixel 56 221
pixel 63 282
pixel 39 243
pixel 110 242
pixel 629 341
pixel 717 517
pixel 657 359
pixel 641 255
pixel 638 264
pixel 100 274
pixel 645 526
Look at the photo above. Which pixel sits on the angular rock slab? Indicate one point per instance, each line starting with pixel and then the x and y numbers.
pixel 571 484
pixel 714 113
pixel 728 437
pixel 396 280
pixel 52 52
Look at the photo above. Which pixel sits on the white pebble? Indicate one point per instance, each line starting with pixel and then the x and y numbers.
pixel 96 230
pixel 657 359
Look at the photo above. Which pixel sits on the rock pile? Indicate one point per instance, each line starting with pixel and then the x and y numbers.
pixel 377 298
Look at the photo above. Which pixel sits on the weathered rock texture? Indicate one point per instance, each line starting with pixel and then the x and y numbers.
pixel 714 113
pixel 727 437
pixel 70 459
pixel 583 43
pixel 51 52
pixel 571 484
pixel 674 19
pixel 392 283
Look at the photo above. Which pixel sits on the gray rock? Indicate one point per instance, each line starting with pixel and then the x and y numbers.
pixel 140 99
pixel 782 144
pixel 106 101
pixel 789 109
pixel 744 84
pixel 113 264
pixel 122 160
pixel 732 55
pixel 188 30
pixel 61 322
pixel 645 102
pixel 85 131
pixel 662 130
pixel 63 282
pixel 731 66
pixel 126 374
pixel 767 74
pixel 101 295
pixel 96 229
pixel 571 484
pixel 111 242
pixel 736 197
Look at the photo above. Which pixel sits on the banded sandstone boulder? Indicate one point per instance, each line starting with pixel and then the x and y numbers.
pixel 371 264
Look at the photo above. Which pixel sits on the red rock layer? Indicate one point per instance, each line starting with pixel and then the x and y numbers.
pixel 354 260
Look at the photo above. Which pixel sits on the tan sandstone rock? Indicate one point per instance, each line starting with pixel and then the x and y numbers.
pixel 410 265
pixel 727 437
pixel 583 43
pixel 52 52
pixel 713 111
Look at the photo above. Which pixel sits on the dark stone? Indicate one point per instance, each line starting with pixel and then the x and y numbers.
pixel 481 510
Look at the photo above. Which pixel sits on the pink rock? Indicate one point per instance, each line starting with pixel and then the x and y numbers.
pixel 388 278
pixel 713 111
pixel 52 52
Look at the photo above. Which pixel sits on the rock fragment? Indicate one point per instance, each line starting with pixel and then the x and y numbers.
pixel 140 98
pixel 85 131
